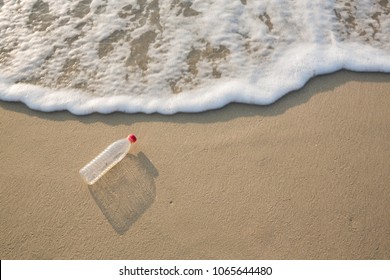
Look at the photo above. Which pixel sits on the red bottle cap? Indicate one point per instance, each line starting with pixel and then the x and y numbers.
pixel 132 138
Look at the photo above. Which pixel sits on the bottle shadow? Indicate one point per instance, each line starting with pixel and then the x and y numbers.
pixel 125 192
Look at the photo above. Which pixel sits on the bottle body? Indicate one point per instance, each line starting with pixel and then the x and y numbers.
pixel 105 161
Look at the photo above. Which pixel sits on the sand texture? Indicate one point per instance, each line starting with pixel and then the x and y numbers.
pixel 305 178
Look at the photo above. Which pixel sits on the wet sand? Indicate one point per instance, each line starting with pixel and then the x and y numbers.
pixel 305 178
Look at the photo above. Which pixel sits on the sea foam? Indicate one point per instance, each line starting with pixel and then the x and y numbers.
pixel 181 56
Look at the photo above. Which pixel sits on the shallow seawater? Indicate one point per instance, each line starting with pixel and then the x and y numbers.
pixel 181 56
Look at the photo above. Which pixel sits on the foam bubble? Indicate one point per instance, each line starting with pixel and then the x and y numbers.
pixel 180 56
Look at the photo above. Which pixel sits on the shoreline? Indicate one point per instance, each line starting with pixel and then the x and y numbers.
pixel 303 178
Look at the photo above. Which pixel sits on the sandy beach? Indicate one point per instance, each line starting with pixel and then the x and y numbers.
pixel 304 178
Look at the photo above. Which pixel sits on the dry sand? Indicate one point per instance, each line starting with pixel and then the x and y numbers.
pixel 305 178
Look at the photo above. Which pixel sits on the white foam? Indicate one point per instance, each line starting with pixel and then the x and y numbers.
pixel 105 56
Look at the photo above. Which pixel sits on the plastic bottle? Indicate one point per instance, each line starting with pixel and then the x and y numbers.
pixel 113 154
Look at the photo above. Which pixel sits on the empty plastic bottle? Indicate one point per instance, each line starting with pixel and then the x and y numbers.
pixel 106 159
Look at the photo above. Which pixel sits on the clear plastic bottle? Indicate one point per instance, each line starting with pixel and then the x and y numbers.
pixel 106 159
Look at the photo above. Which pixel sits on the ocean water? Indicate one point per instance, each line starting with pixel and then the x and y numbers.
pixel 180 55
